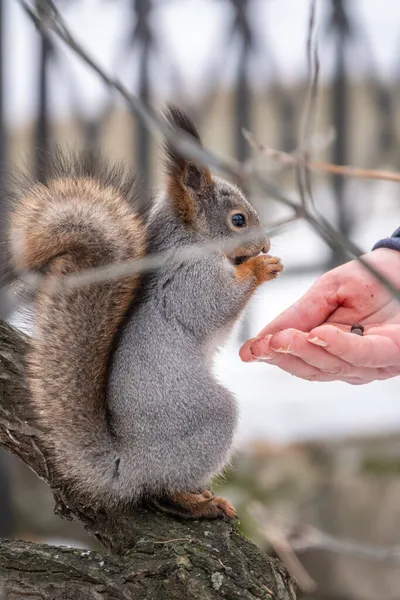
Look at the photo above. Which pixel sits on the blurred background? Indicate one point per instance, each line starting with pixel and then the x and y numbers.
pixel 323 454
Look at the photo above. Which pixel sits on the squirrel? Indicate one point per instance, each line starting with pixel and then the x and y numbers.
pixel 120 373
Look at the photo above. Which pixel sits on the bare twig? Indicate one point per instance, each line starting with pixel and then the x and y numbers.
pixel 288 540
pixel 48 20
pixel 280 159
pixel 306 538
pixel 31 281
pixel 276 537
pixel 302 172
pixel 354 172
pixel 183 142
pixel 292 159
pixel 331 236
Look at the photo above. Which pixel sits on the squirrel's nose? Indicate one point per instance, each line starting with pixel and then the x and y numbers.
pixel 266 247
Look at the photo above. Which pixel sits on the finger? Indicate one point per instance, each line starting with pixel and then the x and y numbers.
pixel 371 350
pixel 295 343
pixel 297 367
pixel 323 377
pixel 245 352
pixel 308 312
pixel 293 365
pixel 284 360
pixel 280 349
pixel 369 377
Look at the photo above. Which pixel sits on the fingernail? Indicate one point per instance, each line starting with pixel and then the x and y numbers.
pixel 318 342
pixel 267 357
pixel 283 350
pixel 257 347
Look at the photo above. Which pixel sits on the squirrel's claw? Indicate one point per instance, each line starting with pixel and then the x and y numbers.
pixel 196 506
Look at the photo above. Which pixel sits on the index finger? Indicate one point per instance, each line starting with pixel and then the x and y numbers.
pixel 313 309
pixel 371 350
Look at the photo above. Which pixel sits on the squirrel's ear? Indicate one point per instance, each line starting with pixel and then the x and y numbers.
pixel 186 180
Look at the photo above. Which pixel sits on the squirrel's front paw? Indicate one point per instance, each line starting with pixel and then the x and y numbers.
pixel 262 267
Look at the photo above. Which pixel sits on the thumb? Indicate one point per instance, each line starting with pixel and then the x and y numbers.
pixel 313 309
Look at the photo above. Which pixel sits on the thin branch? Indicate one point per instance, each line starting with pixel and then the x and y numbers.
pixel 31 281
pixel 287 540
pixel 306 538
pixel 276 537
pixel 316 143
pixel 183 142
pixel 53 22
pixel 302 173
pixel 292 159
pixel 354 172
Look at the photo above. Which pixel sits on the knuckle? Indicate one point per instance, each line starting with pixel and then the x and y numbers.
pixel 359 363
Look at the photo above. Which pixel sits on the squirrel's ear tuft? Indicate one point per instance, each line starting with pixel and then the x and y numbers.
pixel 187 180
pixel 181 120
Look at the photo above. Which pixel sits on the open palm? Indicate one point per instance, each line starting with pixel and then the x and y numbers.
pixel 312 338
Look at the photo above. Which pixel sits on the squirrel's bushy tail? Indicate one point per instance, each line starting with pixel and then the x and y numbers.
pixel 85 215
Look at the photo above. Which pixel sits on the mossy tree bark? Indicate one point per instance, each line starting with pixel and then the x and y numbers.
pixel 147 555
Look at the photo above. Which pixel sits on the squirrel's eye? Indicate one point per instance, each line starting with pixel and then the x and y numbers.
pixel 238 220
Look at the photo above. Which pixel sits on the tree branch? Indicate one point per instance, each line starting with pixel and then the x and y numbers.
pixel 152 556
pixel 220 565
pixel 305 538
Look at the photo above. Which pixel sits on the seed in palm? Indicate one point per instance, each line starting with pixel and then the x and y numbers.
pixel 357 329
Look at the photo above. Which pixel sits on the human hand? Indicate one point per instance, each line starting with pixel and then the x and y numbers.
pixel 312 338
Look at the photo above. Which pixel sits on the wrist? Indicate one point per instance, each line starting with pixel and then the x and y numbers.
pixel 387 262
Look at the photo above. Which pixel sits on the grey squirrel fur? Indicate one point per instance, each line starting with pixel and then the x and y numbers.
pixel 121 373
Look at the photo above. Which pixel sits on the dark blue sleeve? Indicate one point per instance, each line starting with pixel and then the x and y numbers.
pixel 393 242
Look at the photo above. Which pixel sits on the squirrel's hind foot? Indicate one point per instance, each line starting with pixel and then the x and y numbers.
pixel 195 506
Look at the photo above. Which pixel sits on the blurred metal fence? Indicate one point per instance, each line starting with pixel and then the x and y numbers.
pixel 343 29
